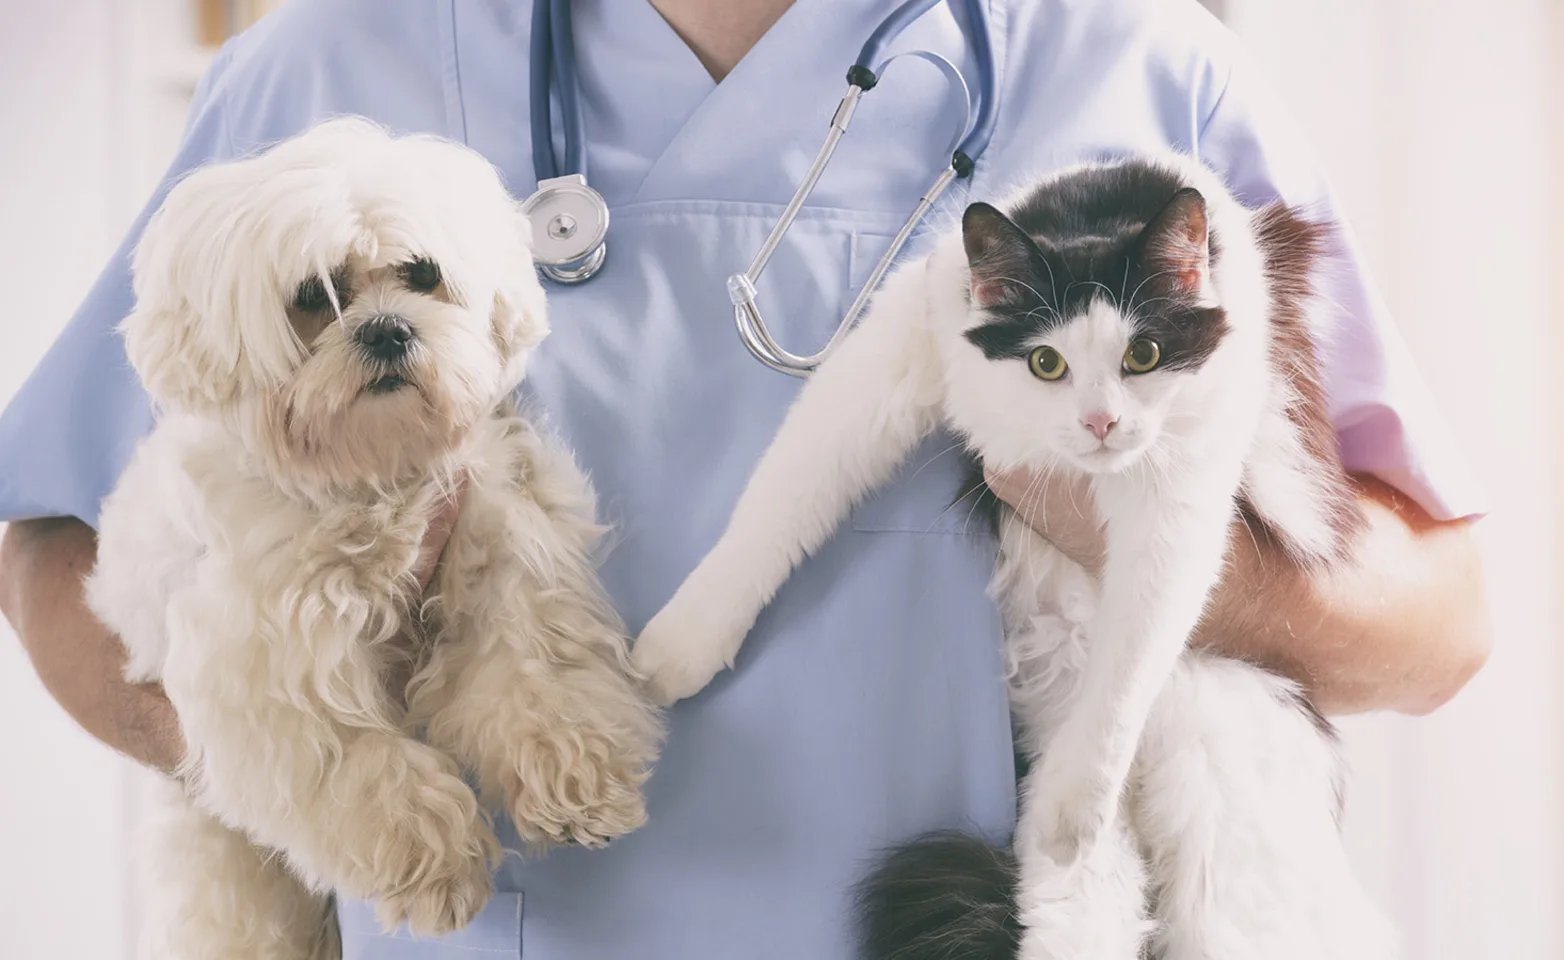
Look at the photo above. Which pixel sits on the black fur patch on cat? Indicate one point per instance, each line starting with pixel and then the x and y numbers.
pixel 1103 232
pixel 945 896
pixel 1298 700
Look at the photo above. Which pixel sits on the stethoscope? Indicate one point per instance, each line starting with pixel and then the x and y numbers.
pixel 570 220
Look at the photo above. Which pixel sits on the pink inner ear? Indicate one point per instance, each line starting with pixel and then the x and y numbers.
pixel 1178 242
pixel 989 293
pixel 1196 257
pixel 1187 256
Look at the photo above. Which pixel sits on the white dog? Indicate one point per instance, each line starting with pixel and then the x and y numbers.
pixel 331 331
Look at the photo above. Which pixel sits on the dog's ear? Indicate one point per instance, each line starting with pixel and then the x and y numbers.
pixel 183 362
pixel 520 312
pixel 176 366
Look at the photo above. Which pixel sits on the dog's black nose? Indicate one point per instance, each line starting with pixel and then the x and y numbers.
pixel 385 337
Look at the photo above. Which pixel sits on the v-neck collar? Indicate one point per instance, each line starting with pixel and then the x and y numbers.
pixel 625 51
pixel 631 46
pixel 729 139
pixel 658 127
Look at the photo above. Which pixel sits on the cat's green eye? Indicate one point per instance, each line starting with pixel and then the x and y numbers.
pixel 1142 356
pixel 1046 363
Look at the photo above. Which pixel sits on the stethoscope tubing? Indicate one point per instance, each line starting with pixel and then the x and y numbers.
pixel 553 67
pixel 553 70
pixel 862 77
pixel 871 61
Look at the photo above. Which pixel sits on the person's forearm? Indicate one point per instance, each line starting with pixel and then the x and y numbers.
pixel 81 663
pixel 1401 626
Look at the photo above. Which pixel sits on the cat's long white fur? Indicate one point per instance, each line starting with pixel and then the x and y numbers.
pixel 1238 836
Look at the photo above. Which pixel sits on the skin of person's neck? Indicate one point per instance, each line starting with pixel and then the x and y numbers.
pixel 720 32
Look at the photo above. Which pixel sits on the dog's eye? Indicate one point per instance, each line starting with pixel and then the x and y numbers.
pixel 422 275
pixel 311 296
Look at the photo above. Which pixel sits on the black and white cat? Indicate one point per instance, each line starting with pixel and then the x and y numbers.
pixel 1133 323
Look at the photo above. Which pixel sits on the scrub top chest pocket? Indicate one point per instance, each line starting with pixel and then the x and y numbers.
pixel 494 934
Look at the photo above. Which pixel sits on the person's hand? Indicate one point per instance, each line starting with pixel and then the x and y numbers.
pixel 439 532
pixel 1059 507
pixel 1401 625
pixel 429 553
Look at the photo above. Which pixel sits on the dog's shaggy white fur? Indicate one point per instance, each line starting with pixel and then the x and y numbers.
pixel 257 556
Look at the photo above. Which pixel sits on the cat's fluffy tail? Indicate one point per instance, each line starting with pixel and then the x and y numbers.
pixel 944 896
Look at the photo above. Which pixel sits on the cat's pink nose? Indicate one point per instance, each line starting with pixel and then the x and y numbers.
pixel 1099 423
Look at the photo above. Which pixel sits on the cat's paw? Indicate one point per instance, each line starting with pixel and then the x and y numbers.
pixel 677 660
pixel 687 644
pixel 1070 813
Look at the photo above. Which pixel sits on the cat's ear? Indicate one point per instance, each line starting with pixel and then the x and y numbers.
pixel 1176 247
pixel 999 256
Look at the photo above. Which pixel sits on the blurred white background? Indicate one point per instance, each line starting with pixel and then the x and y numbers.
pixel 1442 125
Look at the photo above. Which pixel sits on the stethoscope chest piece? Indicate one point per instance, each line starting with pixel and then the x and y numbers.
pixel 569 223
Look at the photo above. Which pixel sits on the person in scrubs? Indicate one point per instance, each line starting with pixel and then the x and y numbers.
pixel 868 704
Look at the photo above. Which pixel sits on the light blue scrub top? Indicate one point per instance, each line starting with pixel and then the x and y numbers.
pixel 868 704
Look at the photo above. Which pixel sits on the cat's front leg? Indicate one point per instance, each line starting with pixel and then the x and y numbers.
pixel 1165 552
pixel 697 634
pixel 856 419
pixel 1095 910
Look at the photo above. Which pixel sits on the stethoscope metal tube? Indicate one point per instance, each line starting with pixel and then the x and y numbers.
pixel 746 312
pixel 741 287
pixel 742 290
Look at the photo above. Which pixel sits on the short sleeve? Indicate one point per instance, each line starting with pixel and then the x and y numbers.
pixel 1384 415
pixel 69 431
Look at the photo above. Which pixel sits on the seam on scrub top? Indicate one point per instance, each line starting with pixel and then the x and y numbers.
pixel 521 909
pixel 224 131
pixel 217 96
pixel 451 76
pixel 457 947
pixel 33 510
pixel 1221 98
pixel 669 208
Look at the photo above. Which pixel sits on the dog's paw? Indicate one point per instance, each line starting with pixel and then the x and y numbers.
pixel 441 902
pixel 577 786
pixel 687 644
pixel 442 877
pixel 422 850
